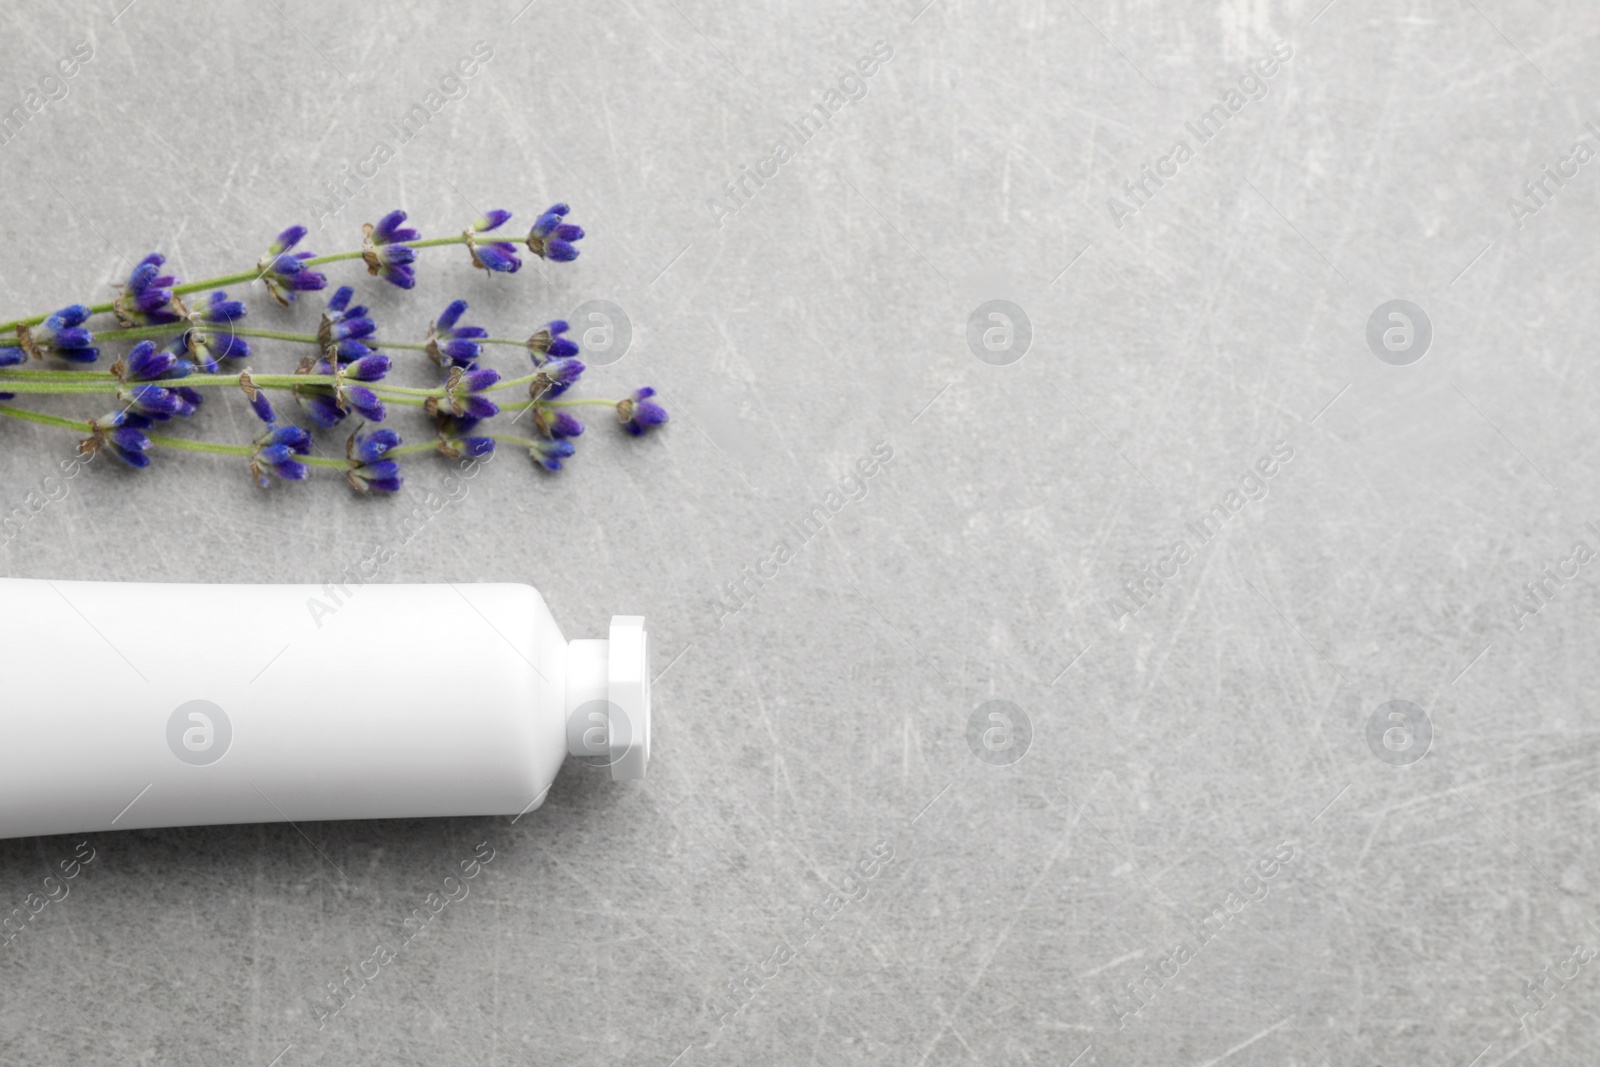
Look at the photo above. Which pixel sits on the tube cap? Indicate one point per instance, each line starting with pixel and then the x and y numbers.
pixel 608 698
pixel 628 690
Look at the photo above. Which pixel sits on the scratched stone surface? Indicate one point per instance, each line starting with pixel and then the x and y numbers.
pixel 1202 674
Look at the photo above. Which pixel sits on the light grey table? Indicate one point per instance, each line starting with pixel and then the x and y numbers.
pixel 1196 835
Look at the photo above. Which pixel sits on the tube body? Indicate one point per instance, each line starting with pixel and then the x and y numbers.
pixel 132 705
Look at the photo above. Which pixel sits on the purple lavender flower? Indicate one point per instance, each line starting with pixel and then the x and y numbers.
pixel 350 351
pixel 60 334
pixel 338 308
pixel 450 345
pixel 474 382
pixel 554 422
pixel 218 310
pixel 147 364
pixel 122 434
pixel 555 378
pixel 285 271
pixel 147 298
pixel 384 254
pixel 549 452
pixel 639 413
pixel 494 256
pixel 563 424
pixel 370 469
pixel 456 439
pixel 460 394
pixel 320 403
pixel 258 399
pixel 206 348
pixel 367 369
pixel 10 357
pixel 343 327
pixel 328 404
pixel 276 452
pixel 547 343
pixel 551 238
pixel 263 407
pixel 138 372
pixel 156 403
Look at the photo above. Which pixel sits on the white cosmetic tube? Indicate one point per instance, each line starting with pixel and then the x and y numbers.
pixel 131 705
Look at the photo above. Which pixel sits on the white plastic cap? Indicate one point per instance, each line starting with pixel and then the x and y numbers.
pixel 608 698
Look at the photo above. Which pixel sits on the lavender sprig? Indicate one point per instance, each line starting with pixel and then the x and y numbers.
pixel 181 351
pixel 280 268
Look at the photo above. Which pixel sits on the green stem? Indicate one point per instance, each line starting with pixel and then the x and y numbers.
pixel 46 388
pixel 172 330
pixel 275 335
pixel 138 333
pixel 334 257
pixel 53 375
pixel 182 444
pixel 509 439
pixel 524 405
pixel 185 444
pixel 46 420
pixel 510 383
pixel 176 328
pixel 90 383
pixel 255 273
pixel 375 343
pixel 411 450
pixel 429 242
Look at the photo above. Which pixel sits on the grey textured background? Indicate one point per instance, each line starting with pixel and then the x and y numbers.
pixel 1169 753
